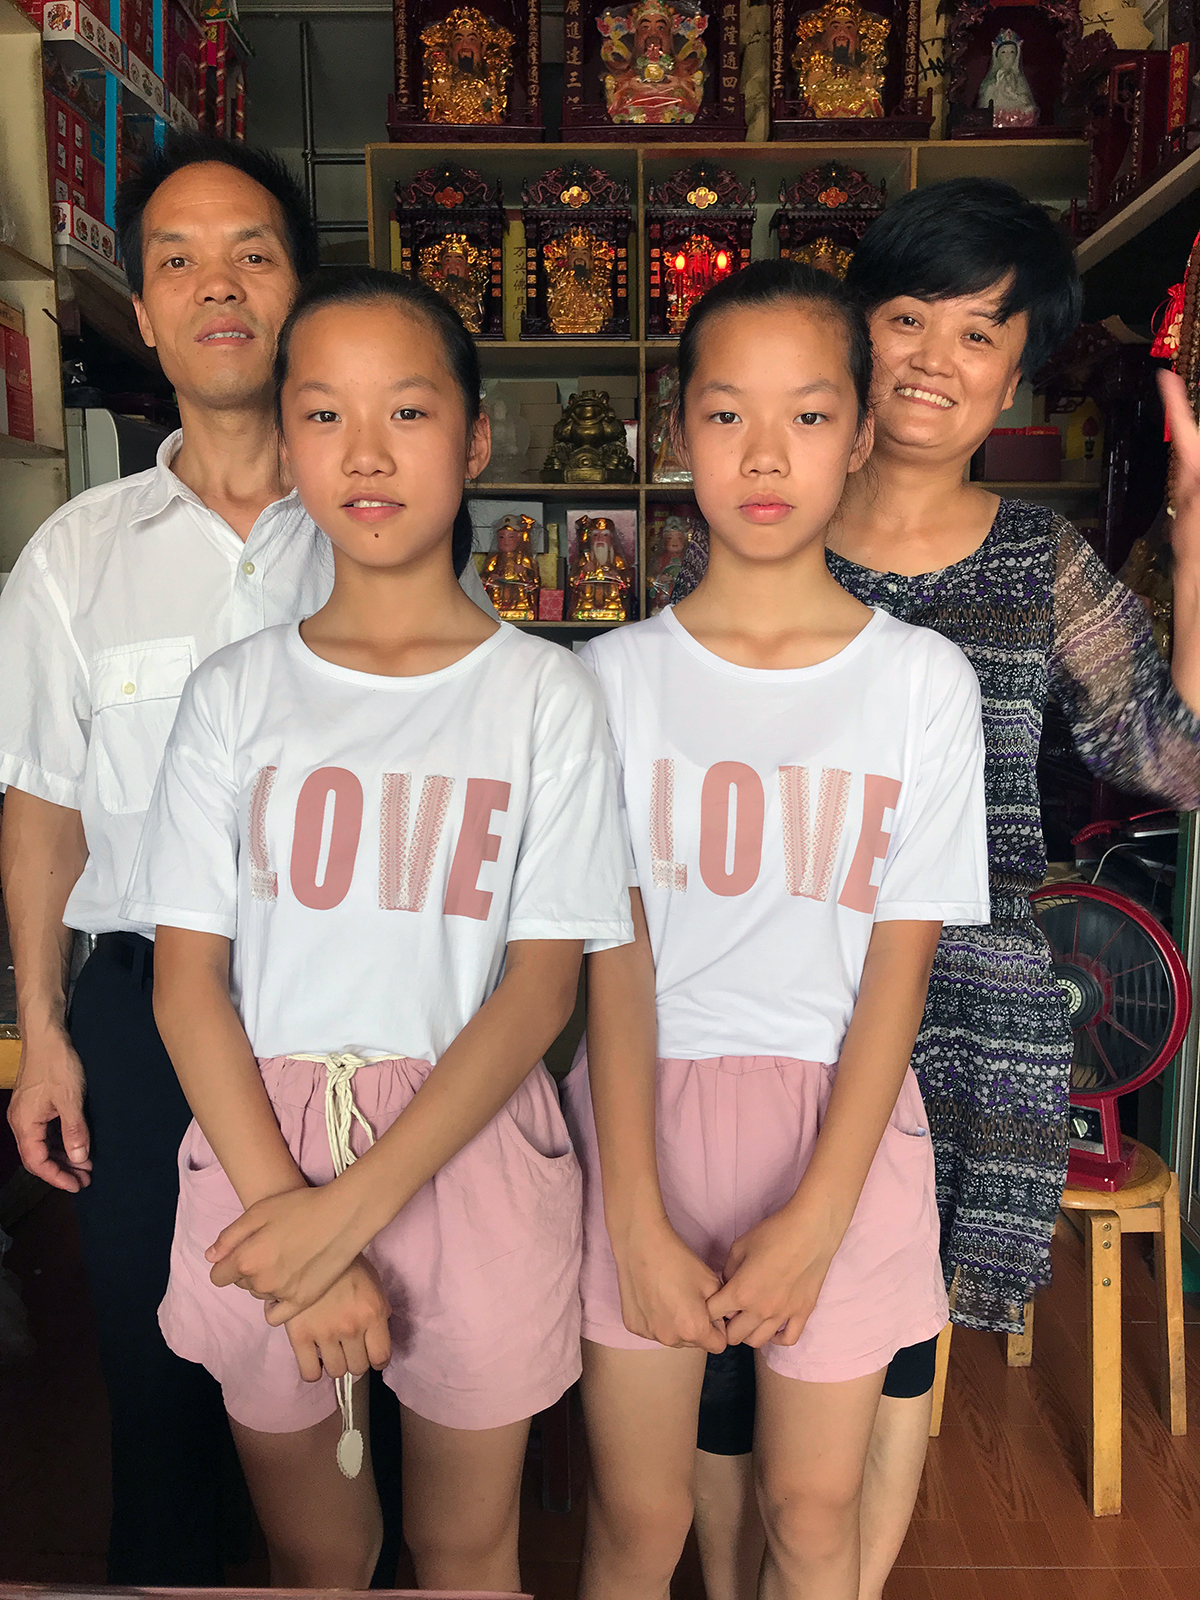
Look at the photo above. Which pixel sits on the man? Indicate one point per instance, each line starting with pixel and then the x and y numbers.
pixel 112 604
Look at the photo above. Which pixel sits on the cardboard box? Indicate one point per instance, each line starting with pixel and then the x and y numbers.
pixel 1029 455
pixel 184 58
pixel 95 173
pixel 18 385
pixel 72 222
pixel 58 135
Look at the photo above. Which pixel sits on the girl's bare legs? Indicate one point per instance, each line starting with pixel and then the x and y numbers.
pixel 323 1530
pixel 462 1495
pixel 641 1408
pixel 895 1461
pixel 729 1530
pixel 811 1442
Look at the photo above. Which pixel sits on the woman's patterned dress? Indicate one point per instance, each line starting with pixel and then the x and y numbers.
pixel 1039 617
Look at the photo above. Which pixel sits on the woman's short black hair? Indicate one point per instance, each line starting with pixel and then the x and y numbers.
pixel 192 149
pixel 770 283
pixel 344 286
pixel 963 237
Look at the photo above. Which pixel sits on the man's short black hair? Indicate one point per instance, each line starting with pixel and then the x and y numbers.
pixel 963 237
pixel 189 150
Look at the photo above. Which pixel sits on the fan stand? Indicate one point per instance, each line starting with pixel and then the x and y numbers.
pixel 1101 1156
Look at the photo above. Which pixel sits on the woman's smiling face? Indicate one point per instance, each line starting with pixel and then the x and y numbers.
pixel 944 371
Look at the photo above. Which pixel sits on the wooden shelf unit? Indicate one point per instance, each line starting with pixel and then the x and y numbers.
pixel 33 478
pixel 1047 170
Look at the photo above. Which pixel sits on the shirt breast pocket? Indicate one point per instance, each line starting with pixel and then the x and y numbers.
pixel 135 692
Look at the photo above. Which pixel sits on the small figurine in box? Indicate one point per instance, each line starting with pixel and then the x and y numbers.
pixel 600 579
pixel 699 222
pixel 1007 67
pixel 665 560
pixel 656 62
pixel 842 63
pixel 668 68
pixel 510 575
pixel 840 59
pixel 823 215
pixel 451 224
pixel 577 225
pixel 466 71
pixel 468 62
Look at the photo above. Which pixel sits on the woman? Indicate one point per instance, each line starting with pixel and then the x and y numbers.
pixel 969 287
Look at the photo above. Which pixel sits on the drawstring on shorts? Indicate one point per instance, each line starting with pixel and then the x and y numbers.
pixel 341 1114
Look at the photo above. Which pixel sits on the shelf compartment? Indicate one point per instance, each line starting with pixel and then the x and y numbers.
pixel 555 491
pixel 557 358
pixel 21 450
pixel 18 268
pixel 1034 487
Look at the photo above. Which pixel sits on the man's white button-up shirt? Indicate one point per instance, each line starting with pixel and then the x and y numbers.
pixel 110 606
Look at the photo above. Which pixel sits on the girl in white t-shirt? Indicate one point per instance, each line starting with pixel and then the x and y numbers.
pixel 377 844
pixel 802 781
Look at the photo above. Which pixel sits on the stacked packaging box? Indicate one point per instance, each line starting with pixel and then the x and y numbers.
pixel 16 414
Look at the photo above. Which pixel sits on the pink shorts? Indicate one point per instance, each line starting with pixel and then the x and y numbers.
pixel 735 1134
pixel 481 1266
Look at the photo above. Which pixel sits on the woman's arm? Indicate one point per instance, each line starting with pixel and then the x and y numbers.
pixel 1135 719
pixel 663 1285
pixel 215 1065
pixel 291 1247
pixel 775 1271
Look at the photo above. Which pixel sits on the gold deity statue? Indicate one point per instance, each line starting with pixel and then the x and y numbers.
pixel 826 255
pixel 579 269
pixel 459 270
pixel 599 580
pixel 840 59
pixel 655 58
pixel 468 62
pixel 510 575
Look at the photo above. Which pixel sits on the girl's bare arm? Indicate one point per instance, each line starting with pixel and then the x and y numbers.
pixel 775 1271
pixel 291 1247
pixel 664 1286
pixel 215 1065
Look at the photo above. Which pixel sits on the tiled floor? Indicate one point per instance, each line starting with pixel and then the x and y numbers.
pixel 1001 1515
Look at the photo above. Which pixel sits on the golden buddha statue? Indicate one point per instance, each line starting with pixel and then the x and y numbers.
pixel 458 270
pixel 510 574
pixel 599 580
pixel 655 59
pixel 589 443
pixel 468 62
pixel 579 270
pixel 840 59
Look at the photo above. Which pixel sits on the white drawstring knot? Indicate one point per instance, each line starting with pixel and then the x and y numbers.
pixel 341 1114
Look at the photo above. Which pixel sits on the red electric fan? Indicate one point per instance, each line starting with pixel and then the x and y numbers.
pixel 1130 1000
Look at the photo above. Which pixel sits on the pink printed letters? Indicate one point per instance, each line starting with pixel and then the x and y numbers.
pixel 732 812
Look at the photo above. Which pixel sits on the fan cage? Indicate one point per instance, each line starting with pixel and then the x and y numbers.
pixel 1160 981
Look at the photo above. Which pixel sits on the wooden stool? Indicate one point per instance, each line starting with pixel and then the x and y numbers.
pixel 1149 1203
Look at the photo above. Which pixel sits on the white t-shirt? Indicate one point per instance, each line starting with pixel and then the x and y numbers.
pixel 776 815
pixel 371 844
